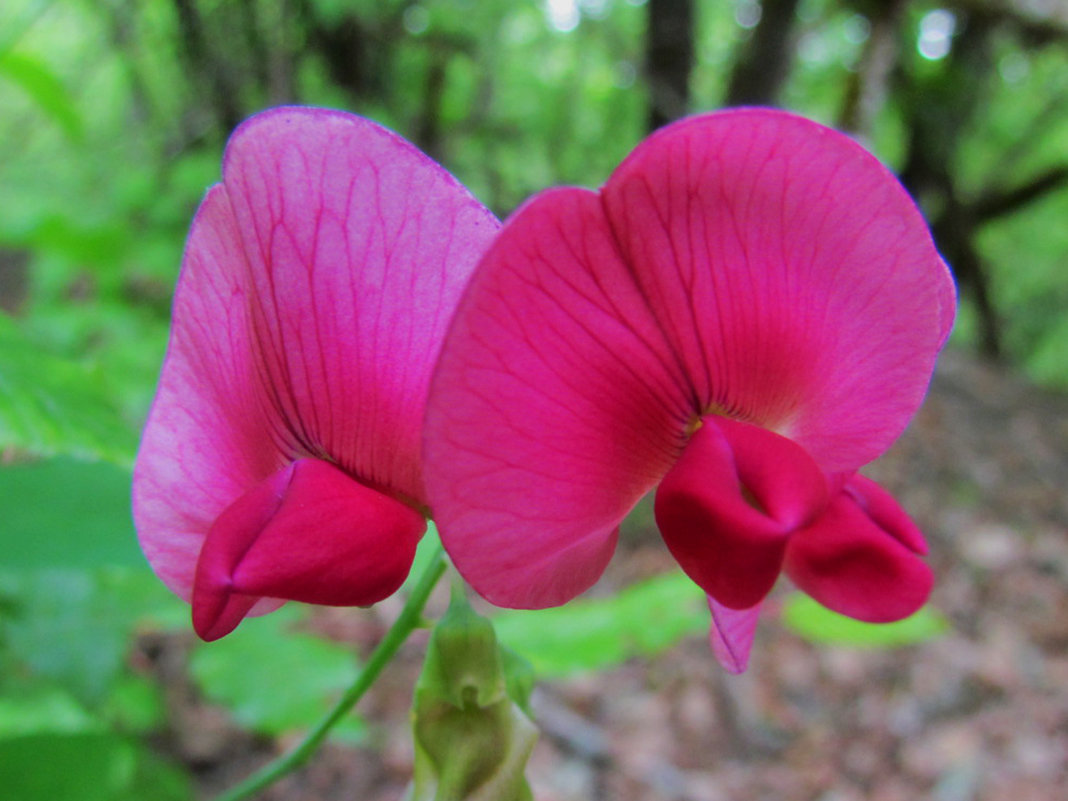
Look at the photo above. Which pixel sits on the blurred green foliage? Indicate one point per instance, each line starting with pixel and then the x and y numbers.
pixel 587 635
pixel 818 624
pixel 113 115
pixel 275 679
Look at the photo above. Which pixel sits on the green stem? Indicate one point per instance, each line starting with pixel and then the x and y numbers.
pixel 407 621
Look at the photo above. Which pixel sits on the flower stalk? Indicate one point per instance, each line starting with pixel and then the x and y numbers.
pixel 409 619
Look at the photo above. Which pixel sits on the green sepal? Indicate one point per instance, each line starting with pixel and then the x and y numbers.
pixel 472 739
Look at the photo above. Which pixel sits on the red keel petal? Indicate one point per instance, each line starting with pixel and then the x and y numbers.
pixel 728 506
pixel 307 533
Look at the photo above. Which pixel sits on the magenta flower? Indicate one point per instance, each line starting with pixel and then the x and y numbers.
pixel 281 456
pixel 747 312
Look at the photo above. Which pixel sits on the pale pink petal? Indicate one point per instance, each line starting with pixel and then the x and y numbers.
pixel 731 635
pixel 849 562
pixel 728 506
pixel 315 289
pixel 791 272
pixel 554 408
pixel 357 248
pixel 307 533
pixel 206 441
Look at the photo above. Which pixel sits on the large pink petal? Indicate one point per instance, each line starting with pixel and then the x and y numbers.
pixel 206 441
pixel 792 274
pixel 556 405
pixel 357 248
pixel 728 506
pixel 316 286
pixel 861 558
pixel 307 533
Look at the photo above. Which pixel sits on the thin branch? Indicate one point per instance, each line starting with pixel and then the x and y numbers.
pixel 997 204
pixel 407 621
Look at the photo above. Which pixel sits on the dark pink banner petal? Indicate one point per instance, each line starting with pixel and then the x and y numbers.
pixel 749 311
pixel 791 273
pixel 317 283
pixel 556 405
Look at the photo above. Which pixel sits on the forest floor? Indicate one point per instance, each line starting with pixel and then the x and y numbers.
pixel 979 714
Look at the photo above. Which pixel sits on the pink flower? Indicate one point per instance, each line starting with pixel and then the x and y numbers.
pixel 281 456
pixel 747 312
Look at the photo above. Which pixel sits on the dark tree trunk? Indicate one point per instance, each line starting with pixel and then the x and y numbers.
pixel 345 47
pixel 869 85
pixel 764 64
pixel 121 21
pixel 940 111
pixel 257 50
pixel 669 59
pixel 428 133
pixel 14 279
pixel 202 61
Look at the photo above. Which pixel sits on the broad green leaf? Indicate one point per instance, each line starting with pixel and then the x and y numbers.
pixel 818 624
pixel 86 767
pixel 37 708
pixel 274 679
pixel 586 635
pixel 49 405
pixel 64 628
pixel 42 85
pixel 98 245
pixel 73 628
pixel 62 513
pixel 134 704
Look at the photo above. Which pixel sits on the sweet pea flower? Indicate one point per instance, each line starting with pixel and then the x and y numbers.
pixel 281 457
pixel 747 312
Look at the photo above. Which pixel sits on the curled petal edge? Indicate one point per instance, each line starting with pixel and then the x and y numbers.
pixel 309 533
pixel 862 557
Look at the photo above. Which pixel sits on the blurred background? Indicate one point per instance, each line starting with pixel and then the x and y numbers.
pixel 113 115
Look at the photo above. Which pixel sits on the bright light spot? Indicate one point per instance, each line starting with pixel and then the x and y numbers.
pixel 814 49
pixel 857 29
pixel 416 19
pixel 747 13
pixel 563 15
pixel 626 75
pixel 936 34
pixel 597 9
pixel 1014 68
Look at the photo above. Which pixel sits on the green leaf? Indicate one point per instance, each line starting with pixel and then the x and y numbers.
pixel 36 707
pixel 273 679
pixel 588 635
pixel 135 704
pixel 73 628
pixel 42 85
pixel 62 513
pixel 49 405
pixel 86 767
pixel 65 628
pixel 816 623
